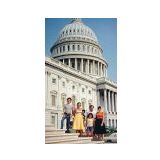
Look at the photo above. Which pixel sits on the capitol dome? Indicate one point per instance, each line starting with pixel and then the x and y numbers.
pixel 77 28
pixel 78 47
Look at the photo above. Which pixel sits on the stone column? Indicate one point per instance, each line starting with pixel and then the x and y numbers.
pixel 70 46
pixel 76 63
pixel 59 50
pixel 69 62
pixel 101 70
pixel 115 104
pixel 105 100
pixel 109 101
pixel 93 69
pixel 46 88
pixel 98 97
pixel 76 48
pixel 88 66
pixel 81 64
pixel 66 49
pixel 63 61
pixel 98 68
pixel 105 70
pixel 112 101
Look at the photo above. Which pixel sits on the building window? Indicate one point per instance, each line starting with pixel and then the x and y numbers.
pixel 89 91
pixel 63 48
pixel 73 87
pixel 53 80
pixel 73 47
pixel 57 50
pixel 53 100
pixel 83 90
pixel 63 84
pixel 60 49
pixel 78 47
pixel 68 48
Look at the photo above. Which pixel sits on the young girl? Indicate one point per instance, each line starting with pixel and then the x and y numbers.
pixel 99 129
pixel 78 123
pixel 90 122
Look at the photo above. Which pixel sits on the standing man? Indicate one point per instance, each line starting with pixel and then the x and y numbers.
pixel 67 112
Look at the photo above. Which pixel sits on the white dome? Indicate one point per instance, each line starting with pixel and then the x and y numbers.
pixel 77 29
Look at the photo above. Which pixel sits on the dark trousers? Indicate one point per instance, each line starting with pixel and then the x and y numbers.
pixel 67 117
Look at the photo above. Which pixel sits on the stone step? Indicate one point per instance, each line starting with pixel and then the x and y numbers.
pixel 69 140
pixel 86 142
pixel 61 136
pixel 52 131
pixel 55 134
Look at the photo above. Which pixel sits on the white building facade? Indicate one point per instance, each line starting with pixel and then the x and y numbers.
pixel 77 69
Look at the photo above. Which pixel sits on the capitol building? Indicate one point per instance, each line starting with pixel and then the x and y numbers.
pixel 77 68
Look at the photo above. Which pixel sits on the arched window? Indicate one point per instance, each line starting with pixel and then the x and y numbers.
pixel 63 48
pixel 66 32
pixel 68 48
pixel 73 47
pixel 78 47
pixel 57 50
pixel 60 49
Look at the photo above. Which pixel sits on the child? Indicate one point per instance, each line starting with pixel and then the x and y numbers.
pixel 90 122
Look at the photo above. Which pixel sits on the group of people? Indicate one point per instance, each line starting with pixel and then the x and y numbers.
pixel 86 123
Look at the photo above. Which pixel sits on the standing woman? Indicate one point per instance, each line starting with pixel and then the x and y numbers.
pixel 78 123
pixel 99 128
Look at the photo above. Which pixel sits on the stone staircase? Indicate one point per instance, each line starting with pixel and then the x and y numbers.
pixel 58 136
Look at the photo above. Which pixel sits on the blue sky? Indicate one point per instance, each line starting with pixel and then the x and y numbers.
pixel 105 30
